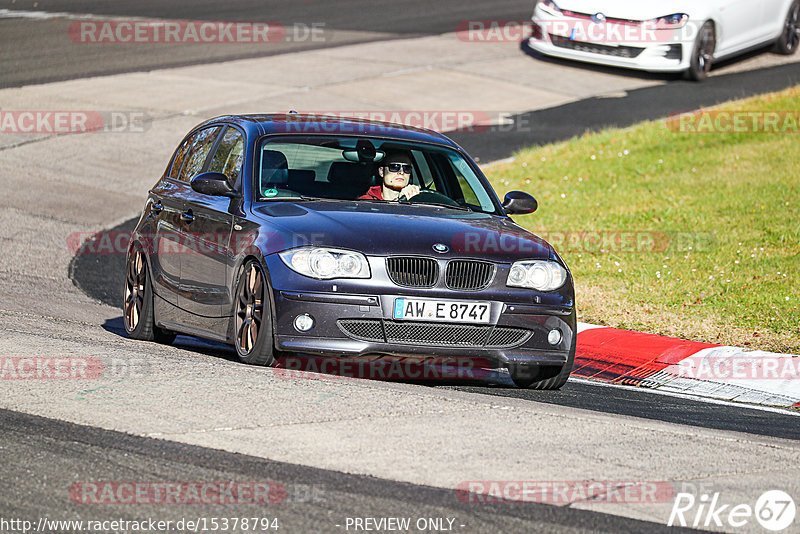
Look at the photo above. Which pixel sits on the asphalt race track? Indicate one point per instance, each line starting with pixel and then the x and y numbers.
pixel 316 500
pixel 592 114
pixel 340 448
pixel 40 54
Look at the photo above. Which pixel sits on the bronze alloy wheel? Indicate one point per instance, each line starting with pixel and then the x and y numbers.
pixel 134 291
pixel 138 313
pixel 253 321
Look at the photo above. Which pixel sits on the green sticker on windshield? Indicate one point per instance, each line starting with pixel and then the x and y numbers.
pixel 271 193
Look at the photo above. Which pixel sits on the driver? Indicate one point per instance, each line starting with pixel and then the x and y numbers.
pixel 396 172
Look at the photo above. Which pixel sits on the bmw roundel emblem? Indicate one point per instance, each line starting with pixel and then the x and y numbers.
pixel 438 247
pixel 598 18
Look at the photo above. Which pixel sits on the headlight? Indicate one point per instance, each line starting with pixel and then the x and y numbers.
pixel 550 7
pixel 537 274
pixel 671 22
pixel 326 263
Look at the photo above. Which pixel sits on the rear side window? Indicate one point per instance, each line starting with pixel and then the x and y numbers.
pixel 228 156
pixel 202 142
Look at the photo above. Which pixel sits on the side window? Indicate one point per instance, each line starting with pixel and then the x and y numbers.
pixel 228 157
pixel 201 145
pixel 180 155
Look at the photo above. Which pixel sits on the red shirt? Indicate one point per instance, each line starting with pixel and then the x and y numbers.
pixel 373 193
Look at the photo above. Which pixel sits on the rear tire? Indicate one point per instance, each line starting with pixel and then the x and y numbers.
pixel 789 40
pixel 532 376
pixel 137 308
pixel 703 53
pixel 252 321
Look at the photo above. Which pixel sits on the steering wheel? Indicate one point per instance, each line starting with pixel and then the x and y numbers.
pixel 429 196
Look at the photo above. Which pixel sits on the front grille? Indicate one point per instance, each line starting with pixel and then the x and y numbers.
pixel 628 52
pixel 362 329
pixel 610 20
pixel 439 334
pixel 504 337
pixel 454 335
pixel 469 275
pixel 413 271
pixel 675 51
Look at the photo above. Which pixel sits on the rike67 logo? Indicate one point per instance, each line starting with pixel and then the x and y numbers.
pixel 774 510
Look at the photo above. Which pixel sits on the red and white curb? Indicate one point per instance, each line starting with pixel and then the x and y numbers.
pixel 672 365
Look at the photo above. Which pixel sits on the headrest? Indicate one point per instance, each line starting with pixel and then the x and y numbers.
pixel 273 167
pixel 350 174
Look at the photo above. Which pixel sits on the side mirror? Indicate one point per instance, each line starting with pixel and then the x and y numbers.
pixel 214 184
pixel 519 203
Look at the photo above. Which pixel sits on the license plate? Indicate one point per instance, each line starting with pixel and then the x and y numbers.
pixel 441 310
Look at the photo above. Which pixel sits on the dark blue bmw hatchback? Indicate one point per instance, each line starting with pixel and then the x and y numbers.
pixel 294 234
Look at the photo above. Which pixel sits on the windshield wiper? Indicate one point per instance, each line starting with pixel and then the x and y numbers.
pixel 293 198
pixel 439 204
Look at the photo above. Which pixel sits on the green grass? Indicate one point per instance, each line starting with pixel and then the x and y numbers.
pixel 724 205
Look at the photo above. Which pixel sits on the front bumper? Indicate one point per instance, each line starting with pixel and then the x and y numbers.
pixel 354 318
pixel 650 50
pixel 517 334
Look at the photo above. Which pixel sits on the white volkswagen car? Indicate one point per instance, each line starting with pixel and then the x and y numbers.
pixel 663 36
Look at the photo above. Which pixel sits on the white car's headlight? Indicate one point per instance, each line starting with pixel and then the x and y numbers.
pixel 326 263
pixel 549 7
pixel 671 22
pixel 537 274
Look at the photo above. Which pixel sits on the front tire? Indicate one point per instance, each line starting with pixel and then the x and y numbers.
pixel 789 40
pixel 137 309
pixel 253 317
pixel 532 376
pixel 703 53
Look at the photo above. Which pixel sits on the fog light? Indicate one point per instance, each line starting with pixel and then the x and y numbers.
pixel 304 323
pixel 554 337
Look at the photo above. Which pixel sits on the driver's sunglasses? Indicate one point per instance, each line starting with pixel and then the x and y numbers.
pixel 395 167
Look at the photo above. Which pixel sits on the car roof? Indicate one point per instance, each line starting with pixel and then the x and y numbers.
pixel 302 124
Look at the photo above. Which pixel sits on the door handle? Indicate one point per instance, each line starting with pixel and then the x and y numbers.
pixel 187 216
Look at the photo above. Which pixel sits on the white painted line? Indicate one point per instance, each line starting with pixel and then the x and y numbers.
pixel 49 15
pixel 732 373
pixel 707 400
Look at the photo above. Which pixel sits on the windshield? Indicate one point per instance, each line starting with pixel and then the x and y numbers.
pixel 370 170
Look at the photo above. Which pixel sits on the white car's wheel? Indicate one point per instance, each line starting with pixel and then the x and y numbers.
pixel 790 38
pixel 703 53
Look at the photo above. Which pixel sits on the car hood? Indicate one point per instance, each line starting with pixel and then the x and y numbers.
pixel 381 229
pixel 624 9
